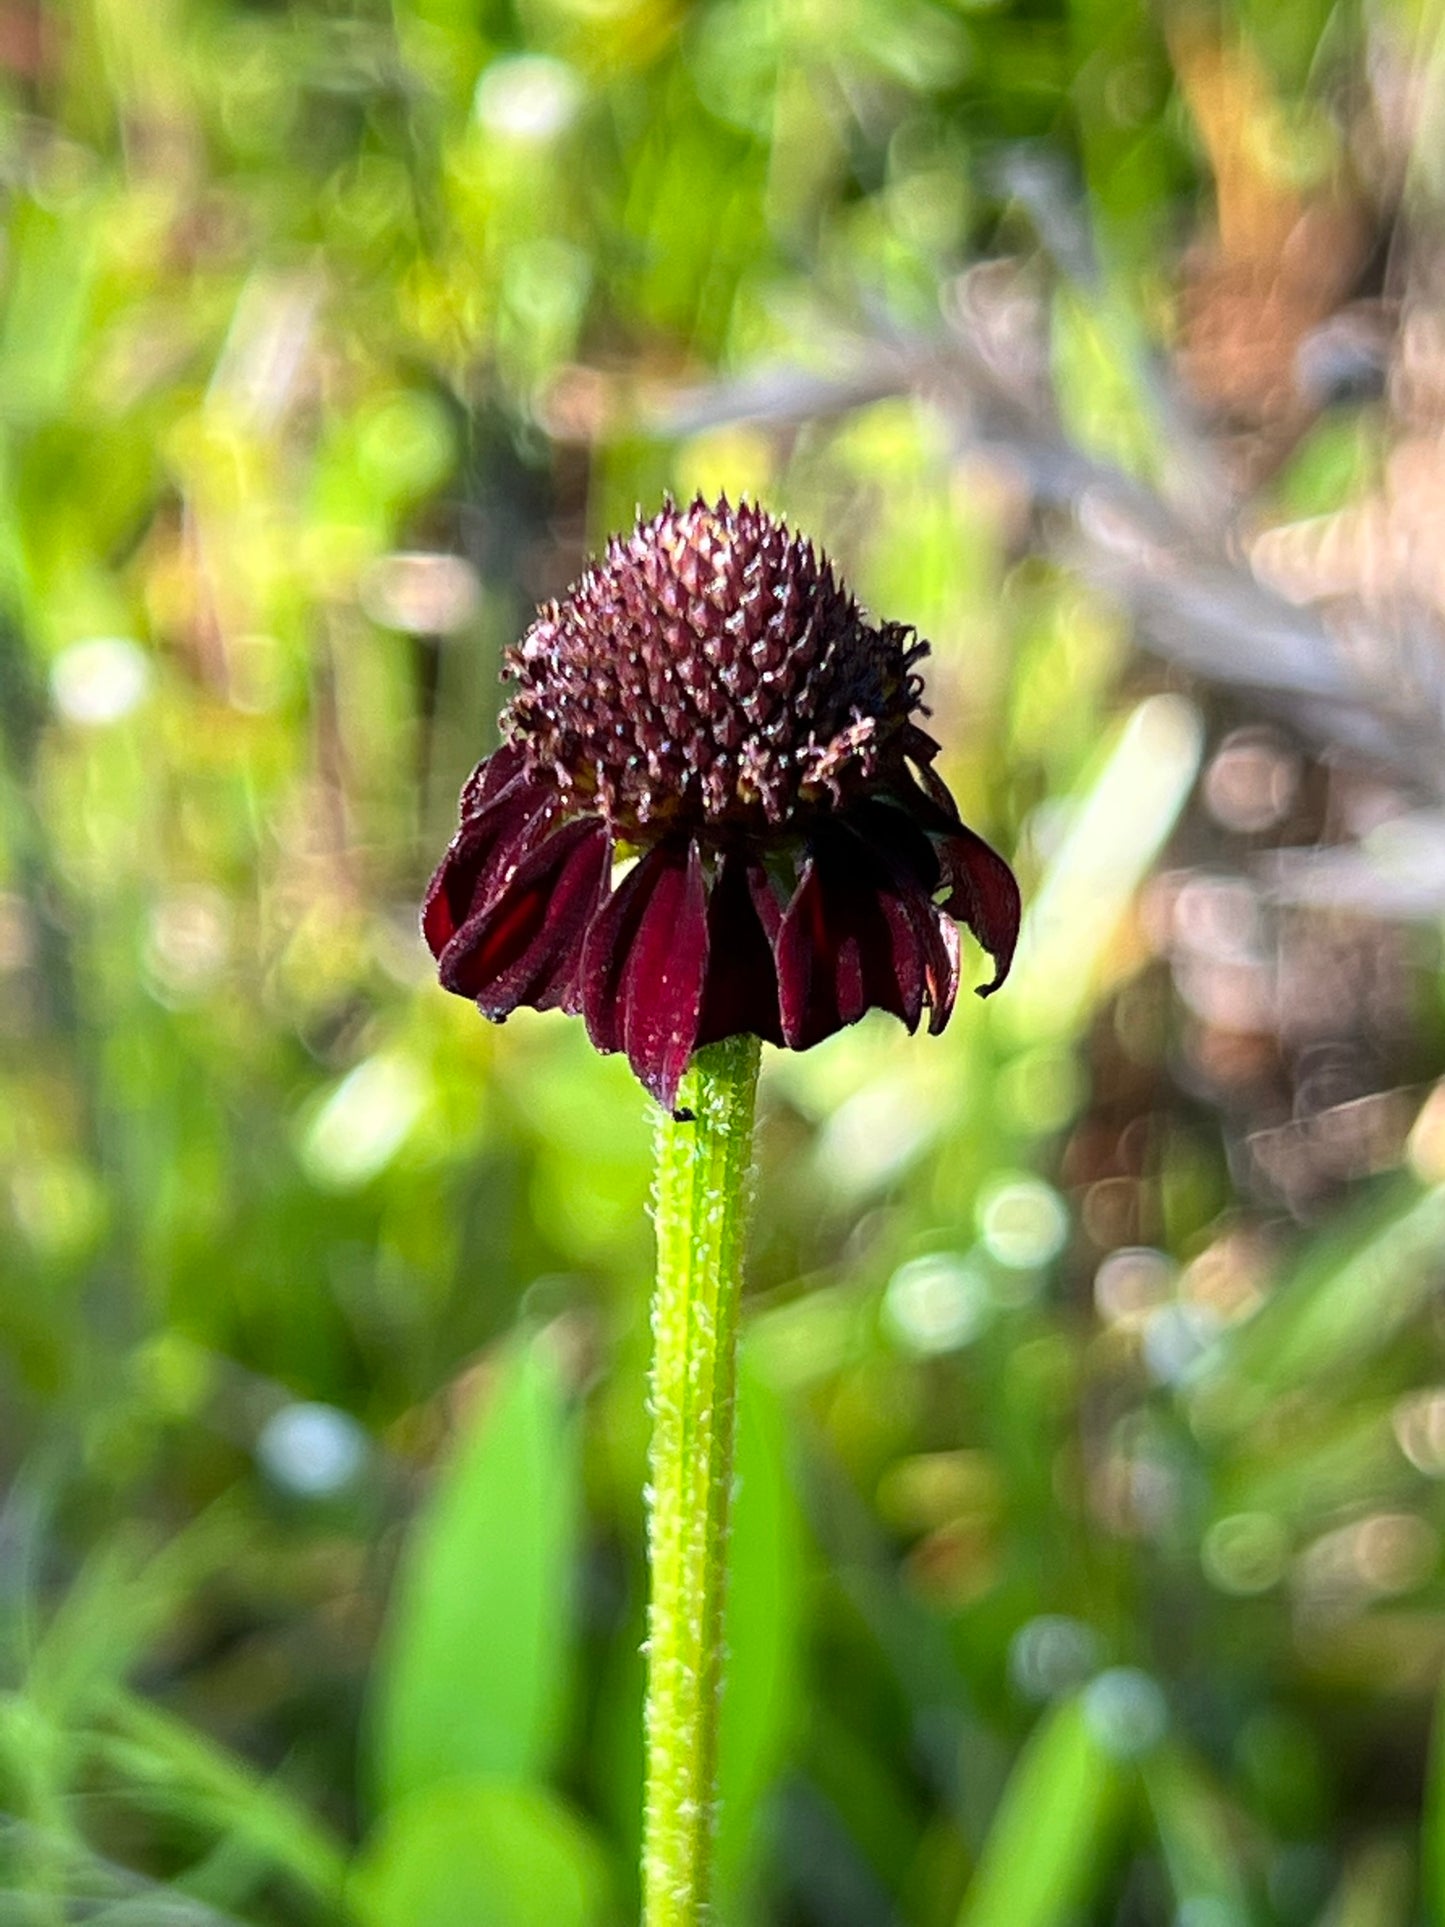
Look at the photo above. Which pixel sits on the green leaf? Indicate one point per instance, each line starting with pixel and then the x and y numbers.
pixel 1377 1888
pixel 178 1770
pixel 1432 1825
pixel 1050 1838
pixel 51 275
pixel 116 1605
pixel 475 1657
pixel 1199 1838
pixel 1349 1296
pixel 481 1853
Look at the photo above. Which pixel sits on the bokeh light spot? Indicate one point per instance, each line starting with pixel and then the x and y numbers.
pixel 1131 1283
pixel 100 681
pixel 312 1451
pixel 1419 1424
pixel 527 97
pixel 937 1303
pixel 362 1125
pixel 1126 1711
pixel 1052 1654
pixel 1023 1222
pixel 1245 1553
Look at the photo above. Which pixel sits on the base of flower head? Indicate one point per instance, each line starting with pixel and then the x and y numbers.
pixel 703 940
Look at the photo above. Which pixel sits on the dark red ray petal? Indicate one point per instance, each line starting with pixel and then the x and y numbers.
pixel 848 943
pixel 982 890
pixel 644 965
pixel 928 800
pixel 818 974
pixel 494 837
pixel 741 992
pixel 897 840
pixel 909 857
pixel 492 774
pixel 942 965
pixel 609 938
pixel 665 971
pixel 984 894
pixel 902 971
pixel 917 745
pixel 523 945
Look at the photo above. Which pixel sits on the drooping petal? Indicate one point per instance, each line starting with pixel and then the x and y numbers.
pixel 981 889
pixel 645 964
pixel 741 992
pixel 666 972
pixel 909 856
pixel 523 945
pixel 503 817
pixel 847 943
pixel 942 966
pixel 983 893
pixel 604 955
pixel 928 796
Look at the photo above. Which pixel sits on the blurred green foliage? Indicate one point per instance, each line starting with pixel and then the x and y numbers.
pixel 1088 1545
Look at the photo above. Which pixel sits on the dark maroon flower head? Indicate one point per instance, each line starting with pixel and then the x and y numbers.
pixel 710 704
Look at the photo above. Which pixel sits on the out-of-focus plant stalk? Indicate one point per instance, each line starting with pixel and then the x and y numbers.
pixel 704 1159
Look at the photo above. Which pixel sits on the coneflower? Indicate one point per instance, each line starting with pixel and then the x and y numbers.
pixel 709 707
pixel 710 701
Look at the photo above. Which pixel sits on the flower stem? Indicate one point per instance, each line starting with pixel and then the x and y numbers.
pixel 703 1173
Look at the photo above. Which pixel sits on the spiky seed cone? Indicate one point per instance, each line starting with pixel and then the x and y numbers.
pixel 711 671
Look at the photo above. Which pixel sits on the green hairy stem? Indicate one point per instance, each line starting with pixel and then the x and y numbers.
pixel 704 1158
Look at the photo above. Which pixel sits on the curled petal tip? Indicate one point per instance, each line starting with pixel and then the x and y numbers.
pixel 983 893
